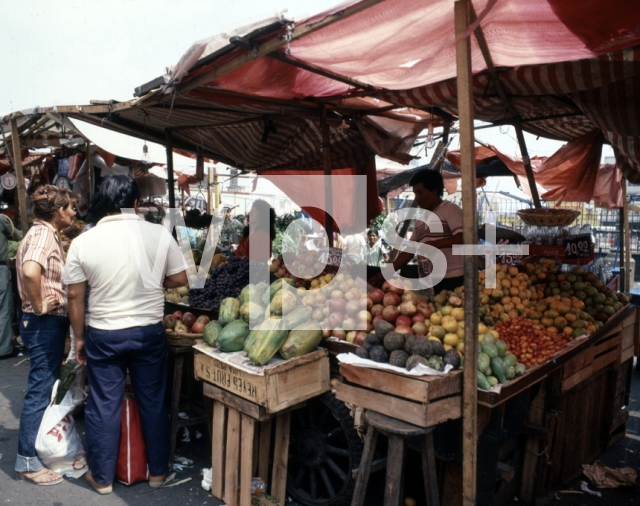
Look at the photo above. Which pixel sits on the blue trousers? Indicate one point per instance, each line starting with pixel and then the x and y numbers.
pixel 6 311
pixel 44 338
pixel 110 353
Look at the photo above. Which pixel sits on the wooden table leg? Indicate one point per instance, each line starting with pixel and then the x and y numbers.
pixel 232 460
pixel 394 470
pixel 263 451
pixel 429 470
pixel 281 457
pixel 218 438
pixel 175 402
pixel 246 459
pixel 365 467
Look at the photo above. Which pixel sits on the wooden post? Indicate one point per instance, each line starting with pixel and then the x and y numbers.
pixel 527 164
pixel 210 192
pixel 470 234
pixel 89 169
pixel 328 187
pixel 170 181
pixel 17 160
pixel 627 238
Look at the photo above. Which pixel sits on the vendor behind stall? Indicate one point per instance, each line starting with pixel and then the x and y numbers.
pixel 7 232
pixel 259 233
pixel 428 188
pixel 376 253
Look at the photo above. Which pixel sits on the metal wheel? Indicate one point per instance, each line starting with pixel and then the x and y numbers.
pixel 324 448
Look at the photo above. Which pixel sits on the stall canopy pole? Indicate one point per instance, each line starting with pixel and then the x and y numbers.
pixel 89 169
pixel 328 187
pixel 17 160
pixel 627 239
pixel 170 181
pixel 210 193
pixel 470 236
pixel 527 164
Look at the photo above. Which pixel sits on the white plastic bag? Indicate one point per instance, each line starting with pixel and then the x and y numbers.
pixel 58 443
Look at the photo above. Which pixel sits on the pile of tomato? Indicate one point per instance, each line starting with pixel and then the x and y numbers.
pixel 529 341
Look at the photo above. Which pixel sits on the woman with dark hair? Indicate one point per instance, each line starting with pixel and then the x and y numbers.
pixel 39 266
pixel 375 251
pixel 258 235
pixel 125 331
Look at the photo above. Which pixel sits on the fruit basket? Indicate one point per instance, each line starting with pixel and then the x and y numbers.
pixel 548 217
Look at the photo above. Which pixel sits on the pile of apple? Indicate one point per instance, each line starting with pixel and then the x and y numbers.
pixel 186 323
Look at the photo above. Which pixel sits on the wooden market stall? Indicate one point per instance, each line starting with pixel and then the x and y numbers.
pixel 230 106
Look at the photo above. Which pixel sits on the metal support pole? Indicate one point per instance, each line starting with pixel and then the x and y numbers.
pixel 17 160
pixel 328 189
pixel 210 193
pixel 170 181
pixel 622 278
pixel 470 235
pixel 527 165
pixel 89 169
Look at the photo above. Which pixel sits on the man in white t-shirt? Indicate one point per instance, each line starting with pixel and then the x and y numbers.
pixel 126 262
pixel 354 247
pixel 428 188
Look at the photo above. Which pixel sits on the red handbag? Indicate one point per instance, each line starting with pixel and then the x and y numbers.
pixel 132 458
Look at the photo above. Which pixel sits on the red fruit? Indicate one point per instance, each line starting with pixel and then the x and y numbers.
pixel 390 313
pixel 359 339
pixel 369 303
pixel 390 299
pixel 335 320
pixel 203 318
pixel 339 333
pixel 337 305
pixel 410 296
pixel 386 286
pixel 188 319
pixel 397 290
pixel 376 296
pixel 178 315
pixel 376 320
pixel 407 308
pixel 403 320
pixel 352 308
pixel 326 330
pixel 404 329
pixel 364 316
pixel 376 310
pixel 169 321
pixel 198 327
pixel 420 328
pixel 418 317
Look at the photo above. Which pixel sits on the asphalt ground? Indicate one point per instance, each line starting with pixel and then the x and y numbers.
pixel 13 380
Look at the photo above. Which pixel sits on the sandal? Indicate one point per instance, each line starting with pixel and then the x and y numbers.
pixel 157 481
pixel 42 473
pixel 101 489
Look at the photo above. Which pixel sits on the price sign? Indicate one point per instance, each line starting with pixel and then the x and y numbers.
pixel 331 256
pixel 508 259
pixel 578 247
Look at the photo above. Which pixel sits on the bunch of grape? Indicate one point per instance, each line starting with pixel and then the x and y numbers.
pixel 227 280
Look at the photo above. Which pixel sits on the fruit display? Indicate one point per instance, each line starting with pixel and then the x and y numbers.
pixel 185 323
pixel 178 295
pixel 226 280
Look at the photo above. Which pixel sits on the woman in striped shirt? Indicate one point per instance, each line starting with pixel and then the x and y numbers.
pixel 44 325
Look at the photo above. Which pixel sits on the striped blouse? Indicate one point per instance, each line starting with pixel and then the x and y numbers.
pixel 42 244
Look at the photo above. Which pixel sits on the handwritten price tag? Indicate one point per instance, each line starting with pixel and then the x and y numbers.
pixel 577 247
pixel 508 259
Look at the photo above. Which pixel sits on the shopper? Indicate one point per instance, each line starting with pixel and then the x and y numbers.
pixel 259 233
pixel 7 232
pixel 354 247
pixel 125 328
pixel 376 253
pixel 44 325
pixel 428 188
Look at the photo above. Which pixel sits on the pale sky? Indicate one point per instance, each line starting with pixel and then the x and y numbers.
pixel 71 51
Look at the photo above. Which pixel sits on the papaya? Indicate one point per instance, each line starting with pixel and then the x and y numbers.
pixel 302 340
pixel 501 347
pixel 509 360
pixel 282 302
pixel 229 311
pixel 250 293
pixel 232 337
pixel 211 332
pixel 251 311
pixel 274 288
pixel 489 349
pixel 520 369
pixel 297 317
pixel 493 381
pixel 267 341
pixel 484 361
pixel 499 370
pixel 482 382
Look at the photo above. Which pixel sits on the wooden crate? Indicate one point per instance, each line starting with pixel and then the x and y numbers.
pixel 614 347
pixel 241 443
pixel 282 385
pixel 423 401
